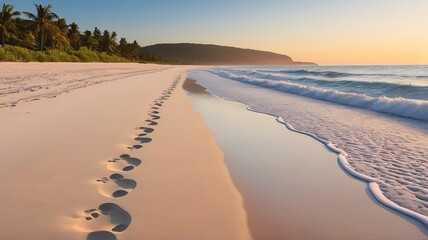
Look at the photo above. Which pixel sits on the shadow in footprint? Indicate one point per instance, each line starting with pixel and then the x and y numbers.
pixel 101 235
pixel 136 146
pixel 118 216
pixel 143 140
pixel 111 218
pixel 147 129
pixel 116 186
pixel 154 117
pixel 123 163
pixel 151 122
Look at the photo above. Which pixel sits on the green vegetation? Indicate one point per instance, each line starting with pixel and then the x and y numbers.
pixel 20 54
pixel 45 37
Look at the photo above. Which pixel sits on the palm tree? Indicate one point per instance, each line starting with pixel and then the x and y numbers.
pixel 8 26
pixel 74 35
pixel 43 22
pixel 62 25
pixel 129 50
pixel 28 40
pixel 98 38
pixel 108 43
pixel 135 51
pixel 59 36
pixel 88 40
pixel 123 47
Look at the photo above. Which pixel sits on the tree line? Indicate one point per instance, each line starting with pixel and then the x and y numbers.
pixel 44 30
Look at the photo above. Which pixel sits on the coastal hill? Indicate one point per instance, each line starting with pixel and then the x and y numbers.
pixel 208 54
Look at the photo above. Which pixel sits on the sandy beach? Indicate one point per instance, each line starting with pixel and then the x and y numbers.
pixel 139 151
pixel 213 120
pixel 121 155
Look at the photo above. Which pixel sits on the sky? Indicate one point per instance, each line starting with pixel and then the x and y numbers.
pixel 328 32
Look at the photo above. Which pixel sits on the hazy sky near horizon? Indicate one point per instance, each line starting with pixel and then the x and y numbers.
pixel 329 32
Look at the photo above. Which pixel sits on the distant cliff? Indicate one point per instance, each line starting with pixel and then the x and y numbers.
pixel 207 54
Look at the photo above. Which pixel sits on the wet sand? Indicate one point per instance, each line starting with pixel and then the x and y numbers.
pixel 293 187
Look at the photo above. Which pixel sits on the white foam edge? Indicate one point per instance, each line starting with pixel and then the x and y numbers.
pixel 377 193
pixel 373 186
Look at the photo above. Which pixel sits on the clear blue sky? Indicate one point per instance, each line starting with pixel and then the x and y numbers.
pixel 323 31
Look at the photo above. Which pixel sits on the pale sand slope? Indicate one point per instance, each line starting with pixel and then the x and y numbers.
pixel 54 150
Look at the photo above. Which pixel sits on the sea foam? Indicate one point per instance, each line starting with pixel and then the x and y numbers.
pixel 403 107
pixel 373 185
pixel 388 152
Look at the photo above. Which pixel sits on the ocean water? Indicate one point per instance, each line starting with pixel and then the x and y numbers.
pixel 378 115
pixel 402 91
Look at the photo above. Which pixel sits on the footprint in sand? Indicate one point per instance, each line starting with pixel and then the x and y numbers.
pixel 154 116
pixel 103 222
pixel 101 235
pixel 151 122
pixel 147 129
pixel 123 163
pixel 136 146
pixel 116 186
pixel 142 139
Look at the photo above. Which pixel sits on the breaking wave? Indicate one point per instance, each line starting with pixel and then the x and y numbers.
pixel 398 104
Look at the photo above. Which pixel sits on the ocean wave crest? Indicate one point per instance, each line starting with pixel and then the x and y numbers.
pixel 378 88
pixel 403 107
pixel 337 74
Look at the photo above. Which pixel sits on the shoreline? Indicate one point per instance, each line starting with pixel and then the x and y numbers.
pixel 375 200
pixel 372 184
pixel 377 143
pixel 125 153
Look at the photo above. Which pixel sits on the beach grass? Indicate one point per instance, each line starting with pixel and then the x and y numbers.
pixel 20 54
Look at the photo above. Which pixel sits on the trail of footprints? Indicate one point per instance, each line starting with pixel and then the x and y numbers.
pixel 104 222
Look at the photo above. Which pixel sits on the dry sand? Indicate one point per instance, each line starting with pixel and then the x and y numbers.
pixel 62 158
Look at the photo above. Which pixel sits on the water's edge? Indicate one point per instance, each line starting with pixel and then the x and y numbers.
pixel 372 185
